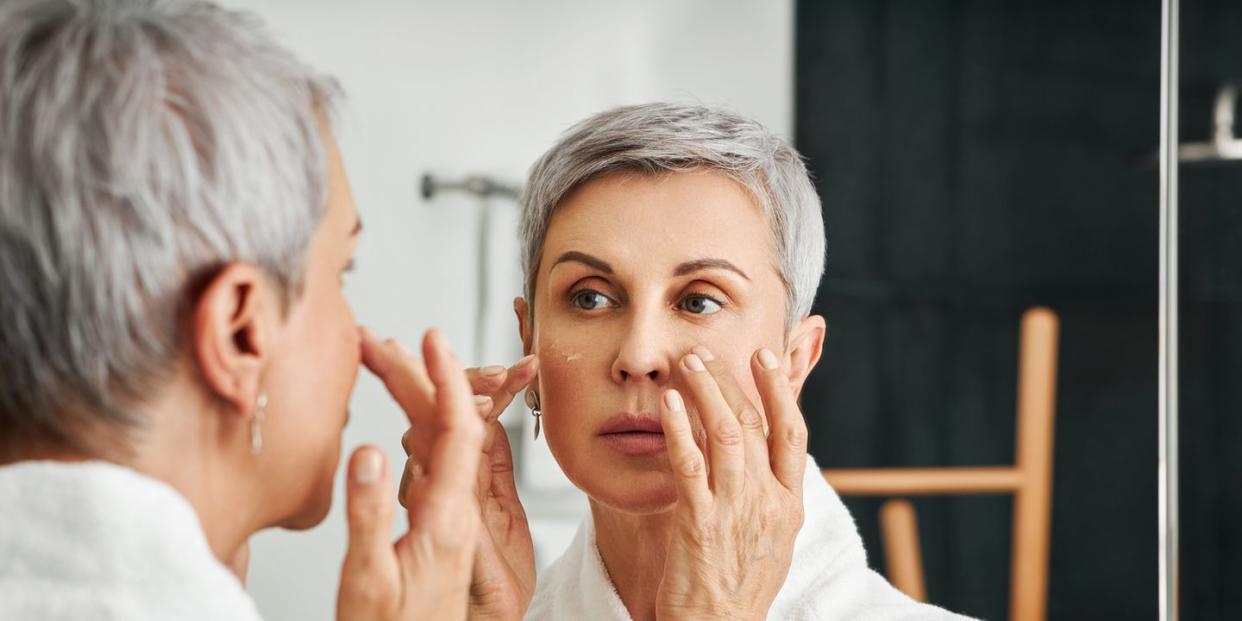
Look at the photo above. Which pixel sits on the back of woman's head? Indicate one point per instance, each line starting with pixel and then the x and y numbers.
pixel 143 144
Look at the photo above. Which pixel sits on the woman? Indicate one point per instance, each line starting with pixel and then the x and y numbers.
pixel 671 255
pixel 176 355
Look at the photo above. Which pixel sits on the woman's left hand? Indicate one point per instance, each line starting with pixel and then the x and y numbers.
pixel 739 503
pixel 503 580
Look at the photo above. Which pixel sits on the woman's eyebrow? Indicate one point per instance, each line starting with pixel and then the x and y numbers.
pixel 689 267
pixel 584 258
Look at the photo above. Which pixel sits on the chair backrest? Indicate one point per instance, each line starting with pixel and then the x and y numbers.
pixel 1029 480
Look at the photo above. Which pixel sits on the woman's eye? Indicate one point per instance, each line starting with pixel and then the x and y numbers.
pixel 590 300
pixel 701 305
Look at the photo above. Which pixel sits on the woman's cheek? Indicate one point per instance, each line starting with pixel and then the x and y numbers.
pixel 566 388
pixel 561 380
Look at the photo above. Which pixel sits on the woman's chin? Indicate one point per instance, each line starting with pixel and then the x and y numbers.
pixel 314 512
pixel 639 493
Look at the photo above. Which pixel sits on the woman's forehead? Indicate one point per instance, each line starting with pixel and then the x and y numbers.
pixel 658 219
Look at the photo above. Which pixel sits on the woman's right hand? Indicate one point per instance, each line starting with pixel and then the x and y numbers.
pixel 503 580
pixel 426 573
pixel 739 496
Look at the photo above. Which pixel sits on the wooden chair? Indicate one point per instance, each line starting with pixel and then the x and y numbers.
pixel 1029 480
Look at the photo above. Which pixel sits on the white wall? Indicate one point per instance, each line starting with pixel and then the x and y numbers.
pixel 484 86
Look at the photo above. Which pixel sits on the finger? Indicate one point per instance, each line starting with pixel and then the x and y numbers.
pixel 482 402
pixel 755 439
pixel 485 380
pixel 455 455
pixel 725 450
pixel 369 514
pixel 684 456
pixel 409 478
pixel 384 356
pixel 518 377
pixel 483 405
pixel 502 384
pixel 787 441
pixel 500 463
pixel 403 375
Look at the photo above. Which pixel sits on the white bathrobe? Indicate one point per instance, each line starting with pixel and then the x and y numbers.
pixel 828 579
pixel 98 541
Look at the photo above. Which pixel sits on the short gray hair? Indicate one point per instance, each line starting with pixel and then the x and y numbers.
pixel 144 144
pixel 660 138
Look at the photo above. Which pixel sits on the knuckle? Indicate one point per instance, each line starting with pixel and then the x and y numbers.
pixel 691 466
pixel 796 437
pixel 774 512
pixel 402 490
pixel 358 513
pixel 362 509
pixel 729 434
pixel 368 593
pixel 750 418
pixel 797 517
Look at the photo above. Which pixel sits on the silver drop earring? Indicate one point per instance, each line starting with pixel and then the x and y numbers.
pixel 256 424
pixel 532 402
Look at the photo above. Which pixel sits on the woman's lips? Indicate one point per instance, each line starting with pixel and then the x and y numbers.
pixel 633 434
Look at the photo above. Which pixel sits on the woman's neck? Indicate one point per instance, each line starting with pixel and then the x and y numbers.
pixel 633 548
pixel 216 497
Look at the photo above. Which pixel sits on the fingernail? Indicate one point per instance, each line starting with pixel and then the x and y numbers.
pixel 368 470
pixel 704 353
pixel 492 370
pixel 673 401
pixel 694 363
pixel 768 359
pixel 525 362
pixel 482 399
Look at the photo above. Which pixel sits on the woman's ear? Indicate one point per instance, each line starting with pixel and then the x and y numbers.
pixel 231 333
pixel 522 309
pixel 806 345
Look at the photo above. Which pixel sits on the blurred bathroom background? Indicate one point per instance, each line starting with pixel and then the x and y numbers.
pixel 975 158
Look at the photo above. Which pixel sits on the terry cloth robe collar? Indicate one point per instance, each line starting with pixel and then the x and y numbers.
pixel 93 540
pixel 829 579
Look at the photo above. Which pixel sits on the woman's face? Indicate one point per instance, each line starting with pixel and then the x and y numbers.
pixel 637 270
pixel 315 363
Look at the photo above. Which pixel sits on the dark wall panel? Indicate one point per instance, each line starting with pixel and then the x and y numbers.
pixel 976 158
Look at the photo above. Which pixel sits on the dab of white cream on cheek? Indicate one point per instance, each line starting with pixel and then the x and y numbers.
pixel 553 349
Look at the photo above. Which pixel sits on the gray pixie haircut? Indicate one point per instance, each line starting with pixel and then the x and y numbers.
pixel 144 144
pixel 661 138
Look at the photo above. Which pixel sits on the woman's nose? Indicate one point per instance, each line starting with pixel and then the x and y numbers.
pixel 644 354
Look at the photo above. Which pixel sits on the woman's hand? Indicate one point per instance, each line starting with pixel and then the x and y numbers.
pixel 426 573
pixel 739 503
pixel 504 569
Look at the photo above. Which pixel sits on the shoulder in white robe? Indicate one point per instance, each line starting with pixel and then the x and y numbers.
pixel 829 579
pixel 98 541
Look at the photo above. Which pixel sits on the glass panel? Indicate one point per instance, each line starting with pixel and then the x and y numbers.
pixel 976 159
pixel 1211 309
